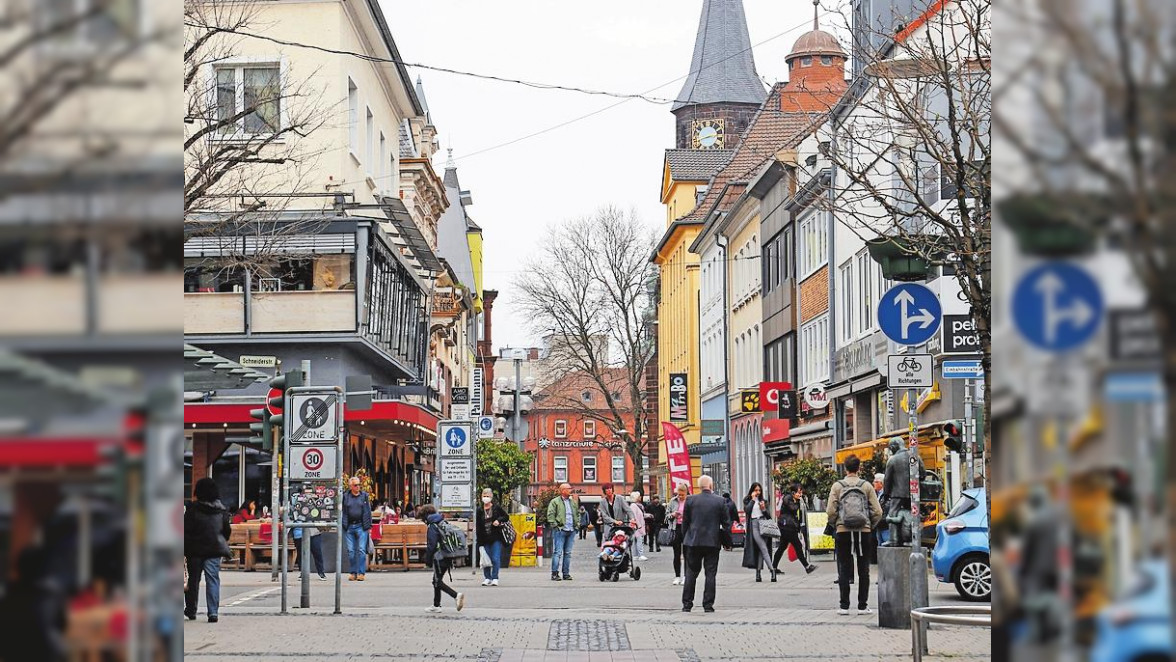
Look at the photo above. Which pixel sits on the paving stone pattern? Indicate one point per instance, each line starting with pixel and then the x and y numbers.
pixel 588 635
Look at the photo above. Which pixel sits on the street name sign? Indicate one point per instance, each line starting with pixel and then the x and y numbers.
pixel 909 314
pixel 249 361
pixel 313 417
pixel 313 463
pixel 1057 306
pixel 910 370
pixel 1134 387
pixel 962 370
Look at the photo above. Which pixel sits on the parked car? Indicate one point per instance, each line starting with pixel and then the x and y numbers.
pixel 739 530
pixel 960 555
pixel 1138 626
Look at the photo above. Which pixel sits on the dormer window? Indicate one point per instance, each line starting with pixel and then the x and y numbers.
pixel 806 61
pixel 827 60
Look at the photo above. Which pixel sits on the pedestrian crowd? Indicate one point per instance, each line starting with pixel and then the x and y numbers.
pixel 695 527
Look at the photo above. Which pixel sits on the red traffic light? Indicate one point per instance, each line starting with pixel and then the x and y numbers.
pixel 952 429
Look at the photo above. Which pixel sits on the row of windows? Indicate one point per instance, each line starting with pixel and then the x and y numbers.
pixel 814 348
pixel 588 472
pixel 860 285
pixel 777 260
pixel 814 244
pixel 561 429
pixel 365 151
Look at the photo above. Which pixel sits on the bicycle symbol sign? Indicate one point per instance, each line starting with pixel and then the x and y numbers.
pixel 910 370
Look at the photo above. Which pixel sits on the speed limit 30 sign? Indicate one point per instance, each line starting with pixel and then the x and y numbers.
pixel 313 463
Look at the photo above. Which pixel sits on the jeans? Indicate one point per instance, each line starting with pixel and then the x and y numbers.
pixel 440 567
pixel 848 547
pixel 316 553
pixel 211 569
pixel 638 546
pixel 698 558
pixel 561 548
pixel 356 539
pixel 494 551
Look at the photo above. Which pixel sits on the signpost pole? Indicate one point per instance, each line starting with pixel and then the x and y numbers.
pixel 284 529
pixel 339 514
pixel 918 560
pixel 969 435
pixel 275 499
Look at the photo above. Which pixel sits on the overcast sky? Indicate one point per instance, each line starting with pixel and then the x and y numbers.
pixel 614 157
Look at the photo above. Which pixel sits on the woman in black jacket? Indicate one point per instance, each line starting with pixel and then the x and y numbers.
pixel 206 542
pixel 793 528
pixel 489 521
pixel 757 550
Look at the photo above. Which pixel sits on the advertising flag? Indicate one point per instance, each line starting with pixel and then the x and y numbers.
pixel 677 458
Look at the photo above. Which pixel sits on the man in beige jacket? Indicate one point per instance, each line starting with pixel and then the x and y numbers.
pixel 854 511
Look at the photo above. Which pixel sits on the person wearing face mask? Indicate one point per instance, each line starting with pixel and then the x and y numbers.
pixel 489 521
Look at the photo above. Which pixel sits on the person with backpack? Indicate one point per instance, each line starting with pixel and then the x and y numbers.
pixel 492 523
pixel 853 513
pixel 444 543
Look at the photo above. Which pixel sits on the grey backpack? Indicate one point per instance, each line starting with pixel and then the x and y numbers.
pixel 853 509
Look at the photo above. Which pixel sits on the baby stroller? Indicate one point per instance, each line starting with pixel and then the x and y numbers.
pixel 612 566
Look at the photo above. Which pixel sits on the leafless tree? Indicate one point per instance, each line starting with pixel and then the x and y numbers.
pixel 910 144
pixel 1088 121
pixel 590 282
pixel 244 160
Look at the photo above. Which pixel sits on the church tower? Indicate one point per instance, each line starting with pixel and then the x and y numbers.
pixel 723 90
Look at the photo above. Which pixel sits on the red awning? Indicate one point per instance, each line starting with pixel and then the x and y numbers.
pixel 69 452
pixel 776 430
pixel 219 413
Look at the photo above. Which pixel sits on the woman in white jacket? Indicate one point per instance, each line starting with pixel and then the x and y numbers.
pixel 675 509
pixel 639 533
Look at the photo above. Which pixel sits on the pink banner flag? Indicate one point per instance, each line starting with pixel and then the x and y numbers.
pixel 677 458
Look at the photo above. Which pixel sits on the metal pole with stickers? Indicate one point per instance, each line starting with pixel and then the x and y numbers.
pixel 312 491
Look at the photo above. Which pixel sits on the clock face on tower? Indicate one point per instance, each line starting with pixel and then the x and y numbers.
pixel 707 134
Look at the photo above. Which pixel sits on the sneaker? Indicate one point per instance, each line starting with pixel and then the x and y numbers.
pixel 843 612
pixel 555 576
pixel 190 615
pixel 485 582
pixel 322 578
pixel 810 568
pixel 642 558
pixel 677 581
pixel 494 582
pixel 460 601
pixel 213 618
pixel 567 578
pixel 433 610
pixel 865 612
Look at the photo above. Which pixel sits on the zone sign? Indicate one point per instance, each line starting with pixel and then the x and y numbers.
pixel 313 463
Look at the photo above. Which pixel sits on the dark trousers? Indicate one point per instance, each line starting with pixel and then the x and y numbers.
pixel 440 567
pixel 651 531
pixel 583 532
pixel 598 529
pixel 851 547
pixel 697 559
pixel 677 557
pixel 316 554
pixel 790 538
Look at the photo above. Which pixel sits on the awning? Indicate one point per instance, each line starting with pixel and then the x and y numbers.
pixel 858 385
pixel 408 231
pixel 220 413
pixel 29 453
pixel 205 371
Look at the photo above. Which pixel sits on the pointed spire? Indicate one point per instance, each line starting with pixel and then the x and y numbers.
pixel 449 163
pixel 722 68
pixel 420 92
pixel 451 171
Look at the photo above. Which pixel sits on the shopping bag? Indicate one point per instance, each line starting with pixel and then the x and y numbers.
pixel 483 557
pixel 791 552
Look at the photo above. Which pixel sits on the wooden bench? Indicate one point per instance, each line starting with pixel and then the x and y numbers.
pixel 250 548
pixel 403 545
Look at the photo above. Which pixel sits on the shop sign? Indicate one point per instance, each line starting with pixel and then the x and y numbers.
pixel 859 357
pixel 679 397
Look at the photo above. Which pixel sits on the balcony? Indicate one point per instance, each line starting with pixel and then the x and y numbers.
pixel 58 305
pixel 297 311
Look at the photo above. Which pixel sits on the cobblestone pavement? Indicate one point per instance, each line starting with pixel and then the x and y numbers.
pixel 531 618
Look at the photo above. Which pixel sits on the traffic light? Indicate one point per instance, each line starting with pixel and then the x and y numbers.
pixel 953 436
pixel 1122 493
pixel 276 401
pixel 262 431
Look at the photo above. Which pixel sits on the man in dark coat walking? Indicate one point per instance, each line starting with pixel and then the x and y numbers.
pixel 655 517
pixel 706 522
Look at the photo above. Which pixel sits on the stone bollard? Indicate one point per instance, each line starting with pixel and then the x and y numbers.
pixel 894 587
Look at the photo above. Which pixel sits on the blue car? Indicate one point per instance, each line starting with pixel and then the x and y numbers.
pixel 960 555
pixel 1138 626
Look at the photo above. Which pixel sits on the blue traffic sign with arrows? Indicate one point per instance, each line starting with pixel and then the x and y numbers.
pixel 1057 306
pixel 909 314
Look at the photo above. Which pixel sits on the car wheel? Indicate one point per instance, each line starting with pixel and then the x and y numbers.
pixel 973 578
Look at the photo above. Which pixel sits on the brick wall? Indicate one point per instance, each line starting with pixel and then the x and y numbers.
pixel 737 116
pixel 814 295
pixel 814 88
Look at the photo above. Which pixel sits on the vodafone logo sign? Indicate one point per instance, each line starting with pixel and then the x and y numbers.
pixel 770 394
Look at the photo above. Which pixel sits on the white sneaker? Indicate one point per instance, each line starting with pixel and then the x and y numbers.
pixel 460 601
pixel 865 612
pixel 843 612
pixel 677 581
pixel 642 558
pixel 494 582
pixel 433 610
pixel 485 582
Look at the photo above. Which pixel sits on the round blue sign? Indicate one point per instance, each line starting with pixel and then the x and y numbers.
pixel 1057 306
pixel 486 424
pixel 455 438
pixel 909 314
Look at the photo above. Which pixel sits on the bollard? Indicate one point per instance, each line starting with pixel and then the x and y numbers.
pixel 304 599
pixel 920 597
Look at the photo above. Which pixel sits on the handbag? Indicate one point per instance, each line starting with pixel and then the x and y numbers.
pixel 665 538
pixel 483 559
pixel 769 528
pixel 791 553
pixel 508 532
